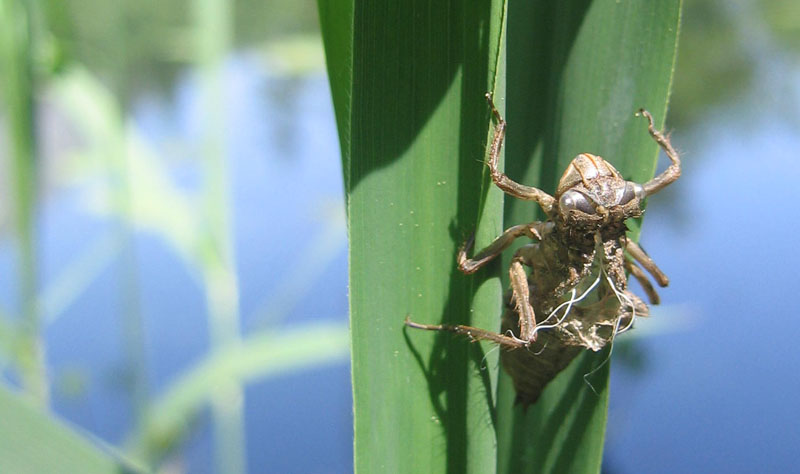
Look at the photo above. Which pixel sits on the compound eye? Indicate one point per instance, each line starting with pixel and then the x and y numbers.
pixel 631 191
pixel 573 200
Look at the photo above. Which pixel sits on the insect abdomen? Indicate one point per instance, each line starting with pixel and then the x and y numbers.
pixel 531 369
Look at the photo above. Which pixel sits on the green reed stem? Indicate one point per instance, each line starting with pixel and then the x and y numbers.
pixel 213 22
pixel 19 86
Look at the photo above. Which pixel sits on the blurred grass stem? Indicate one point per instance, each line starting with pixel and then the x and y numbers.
pixel 122 195
pixel 19 87
pixel 213 20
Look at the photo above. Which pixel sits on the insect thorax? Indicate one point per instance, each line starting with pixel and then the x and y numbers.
pixel 593 276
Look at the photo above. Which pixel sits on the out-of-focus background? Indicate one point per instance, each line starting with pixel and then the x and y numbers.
pixel 173 264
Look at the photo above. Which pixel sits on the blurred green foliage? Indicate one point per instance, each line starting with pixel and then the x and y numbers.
pixel 715 60
pixel 82 65
pixel 713 64
pixel 722 45
pixel 783 20
pixel 155 38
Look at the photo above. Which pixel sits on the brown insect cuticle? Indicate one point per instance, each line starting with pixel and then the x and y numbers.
pixel 577 283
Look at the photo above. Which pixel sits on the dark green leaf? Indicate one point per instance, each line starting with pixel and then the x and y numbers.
pixel 578 70
pixel 408 81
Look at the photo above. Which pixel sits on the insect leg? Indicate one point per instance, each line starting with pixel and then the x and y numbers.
pixel 637 253
pixel 522 297
pixel 509 186
pixel 467 265
pixel 641 277
pixel 473 333
pixel 673 172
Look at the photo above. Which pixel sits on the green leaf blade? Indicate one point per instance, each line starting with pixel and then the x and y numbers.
pixel 578 70
pixel 577 73
pixel 414 142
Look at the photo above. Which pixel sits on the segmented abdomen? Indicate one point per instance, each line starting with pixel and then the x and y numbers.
pixel 531 369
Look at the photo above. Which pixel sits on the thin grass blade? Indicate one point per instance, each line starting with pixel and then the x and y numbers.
pixel 259 356
pixel 19 86
pixel 32 441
